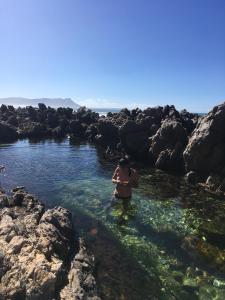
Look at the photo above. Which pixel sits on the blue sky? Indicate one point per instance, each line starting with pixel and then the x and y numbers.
pixel 115 53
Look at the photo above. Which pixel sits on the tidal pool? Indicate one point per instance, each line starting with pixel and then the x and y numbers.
pixel 168 244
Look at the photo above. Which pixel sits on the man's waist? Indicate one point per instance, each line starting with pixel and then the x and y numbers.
pixel 121 196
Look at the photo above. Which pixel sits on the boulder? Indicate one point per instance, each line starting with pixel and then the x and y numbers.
pixel 204 153
pixel 109 133
pixel 134 139
pixel 166 146
pixel 77 129
pixel 36 250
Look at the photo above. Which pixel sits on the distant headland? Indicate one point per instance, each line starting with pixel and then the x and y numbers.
pixel 53 102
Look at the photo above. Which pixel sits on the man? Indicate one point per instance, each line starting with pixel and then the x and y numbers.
pixel 125 178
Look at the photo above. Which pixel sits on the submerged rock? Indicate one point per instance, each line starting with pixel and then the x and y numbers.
pixel 36 248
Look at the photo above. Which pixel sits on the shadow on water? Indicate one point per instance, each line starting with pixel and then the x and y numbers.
pixel 118 275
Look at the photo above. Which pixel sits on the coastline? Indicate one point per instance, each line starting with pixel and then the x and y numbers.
pixel 41 256
pixel 161 137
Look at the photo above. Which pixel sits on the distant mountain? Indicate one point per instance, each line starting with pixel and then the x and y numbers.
pixel 53 102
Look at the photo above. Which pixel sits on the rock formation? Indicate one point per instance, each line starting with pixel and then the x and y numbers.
pixel 204 153
pixel 36 250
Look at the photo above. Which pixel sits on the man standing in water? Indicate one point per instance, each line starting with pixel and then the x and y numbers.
pixel 125 178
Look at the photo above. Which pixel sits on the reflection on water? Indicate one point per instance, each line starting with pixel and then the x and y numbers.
pixel 168 243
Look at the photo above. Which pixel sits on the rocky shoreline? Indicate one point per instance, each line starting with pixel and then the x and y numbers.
pixel 181 143
pixel 40 255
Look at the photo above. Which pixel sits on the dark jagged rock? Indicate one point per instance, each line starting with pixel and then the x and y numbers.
pixel 87 116
pixel 107 133
pixel 206 147
pixel 134 139
pixel 36 130
pixel 77 129
pixel 12 120
pixel 204 153
pixel 81 281
pixel 167 146
pixel 7 132
pixel 36 250
pixel 134 132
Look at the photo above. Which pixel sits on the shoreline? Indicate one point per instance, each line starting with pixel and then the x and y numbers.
pixel 180 143
pixel 40 253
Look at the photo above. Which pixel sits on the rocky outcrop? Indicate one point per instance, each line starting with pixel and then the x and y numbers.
pixel 206 147
pixel 134 139
pixel 154 135
pixel 81 280
pixel 204 153
pixel 167 145
pixel 36 249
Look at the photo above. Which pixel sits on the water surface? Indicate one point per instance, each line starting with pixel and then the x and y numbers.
pixel 167 244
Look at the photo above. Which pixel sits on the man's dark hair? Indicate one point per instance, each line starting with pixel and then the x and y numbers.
pixel 123 162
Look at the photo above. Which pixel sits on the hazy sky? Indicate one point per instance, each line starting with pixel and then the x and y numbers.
pixel 114 52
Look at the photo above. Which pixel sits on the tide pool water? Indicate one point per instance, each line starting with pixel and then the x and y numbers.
pixel 167 244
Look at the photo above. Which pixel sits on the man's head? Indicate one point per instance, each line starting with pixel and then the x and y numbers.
pixel 123 163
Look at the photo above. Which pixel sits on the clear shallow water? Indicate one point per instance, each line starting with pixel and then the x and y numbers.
pixel 168 244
